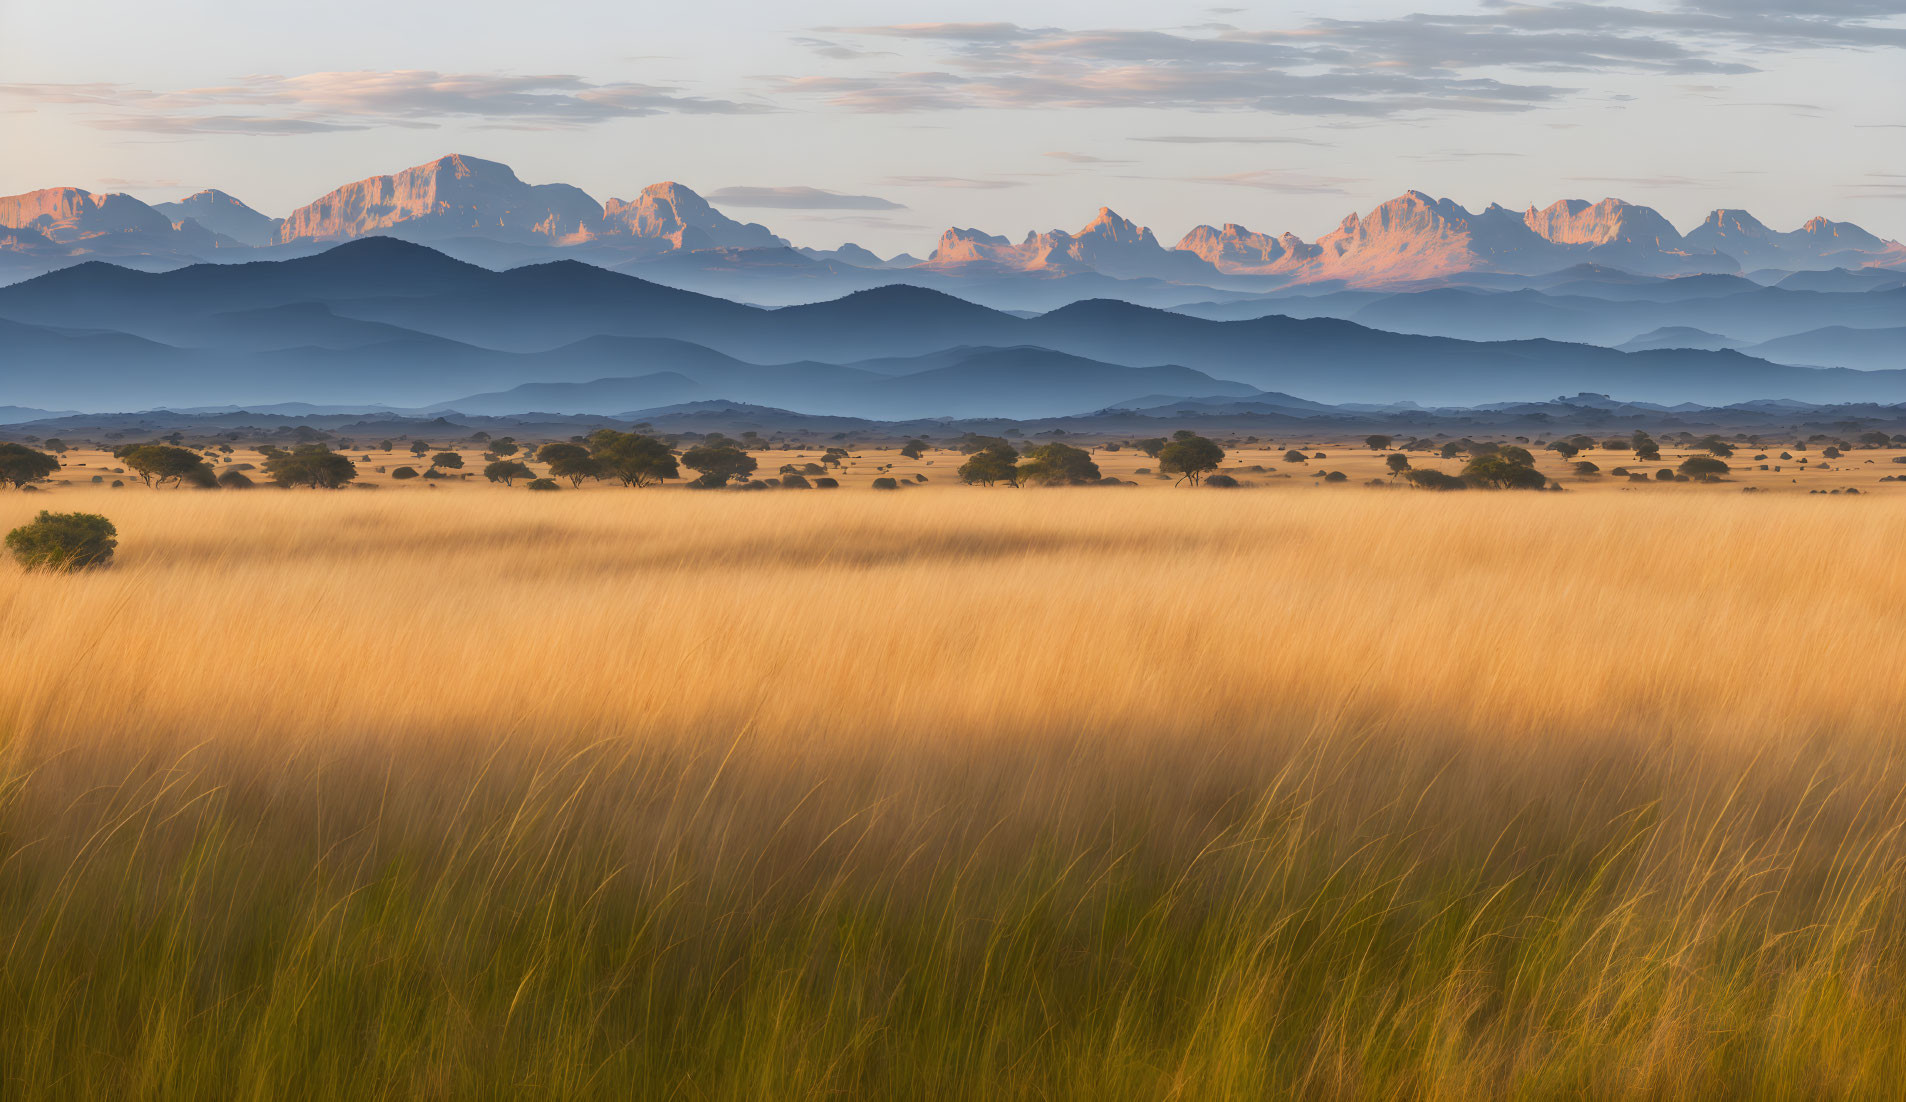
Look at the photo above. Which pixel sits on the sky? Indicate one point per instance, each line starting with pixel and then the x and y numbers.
pixel 885 122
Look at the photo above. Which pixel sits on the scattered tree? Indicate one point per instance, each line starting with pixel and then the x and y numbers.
pixel 997 462
pixel 312 465
pixel 1059 464
pixel 449 461
pixel 1378 443
pixel 632 458
pixel 1426 478
pixel 1397 462
pixel 20 464
pixel 914 449
pixel 158 464
pixel 1190 456
pixel 1703 466
pixel 570 461
pixel 719 462
pixel 1503 471
pixel 506 471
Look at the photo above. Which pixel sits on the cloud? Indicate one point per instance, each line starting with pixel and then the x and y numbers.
pixel 1084 159
pixel 799 198
pixel 965 182
pixel 1644 181
pixel 1474 61
pixel 334 101
pixel 1192 139
pixel 829 48
pixel 1287 183
pixel 263 125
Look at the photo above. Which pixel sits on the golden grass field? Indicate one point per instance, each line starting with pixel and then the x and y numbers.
pixel 1034 794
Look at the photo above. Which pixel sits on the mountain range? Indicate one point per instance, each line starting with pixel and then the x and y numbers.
pixel 482 211
pixel 379 320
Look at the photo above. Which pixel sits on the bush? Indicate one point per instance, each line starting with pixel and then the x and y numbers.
pixel 1703 466
pixel 402 473
pixel 1428 479
pixel 795 482
pixel 541 484
pixel 232 480
pixel 1336 476
pixel 825 483
pixel 886 484
pixel 1221 481
pixel 63 541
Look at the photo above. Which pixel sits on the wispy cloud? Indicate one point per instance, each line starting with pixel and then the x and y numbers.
pixel 1084 159
pixel 326 102
pixel 1644 181
pixel 1219 139
pixel 1287 183
pixel 1449 62
pixel 966 182
pixel 799 198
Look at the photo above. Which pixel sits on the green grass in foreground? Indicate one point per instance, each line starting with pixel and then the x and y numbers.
pixel 1061 921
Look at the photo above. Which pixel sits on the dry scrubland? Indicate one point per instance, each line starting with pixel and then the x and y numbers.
pixel 983 794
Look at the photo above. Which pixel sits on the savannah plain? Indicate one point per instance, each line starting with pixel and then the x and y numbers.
pixel 1300 790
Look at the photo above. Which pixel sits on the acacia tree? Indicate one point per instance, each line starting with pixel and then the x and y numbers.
pixel 1191 457
pixel 20 465
pixel 1397 462
pixel 997 462
pixel 158 464
pixel 449 461
pixel 632 458
pixel 1378 442
pixel 719 462
pixel 914 449
pixel 570 461
pixel 312 465
pixel 1057 464
pixel 1504 470
pixel 507 471
pixel 418 448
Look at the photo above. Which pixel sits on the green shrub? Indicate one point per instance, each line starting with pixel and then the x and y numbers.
pixel 542 484
pixel 886 484
pixel 404 472
pixel 63 541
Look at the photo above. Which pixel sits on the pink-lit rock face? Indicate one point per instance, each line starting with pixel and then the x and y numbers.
pixel 674 217
pixel 1414 237
pixel 1238 250
pixel 1108 244
pixel 452 196
pixel 1611 221
pixel 68 214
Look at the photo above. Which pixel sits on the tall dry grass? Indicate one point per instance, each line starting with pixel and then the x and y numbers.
pixel 1063 794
